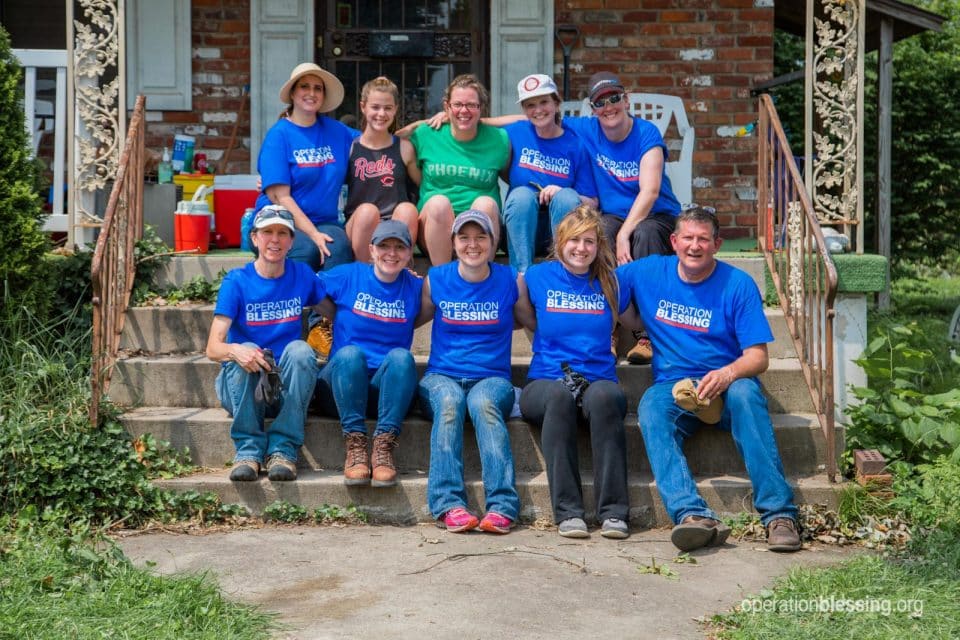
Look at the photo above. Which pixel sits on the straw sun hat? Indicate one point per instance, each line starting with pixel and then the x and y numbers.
pixel 332 88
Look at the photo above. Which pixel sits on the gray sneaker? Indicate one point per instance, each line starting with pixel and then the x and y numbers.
pixel 573 528
pixel 614 528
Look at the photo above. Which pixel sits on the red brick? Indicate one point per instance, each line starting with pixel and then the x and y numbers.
pixel 644 17
pixel 735 4
pixel 703 156
pixel 694 27
pixel 735 54
pixel 678 16
pixel 677 42
pixel 719 16
pixel 755 41
pixel 654 28
pixel 756 68
pixel 733 27
pixel 763 16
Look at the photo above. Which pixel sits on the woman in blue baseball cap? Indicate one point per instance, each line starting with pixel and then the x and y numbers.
pixel 371 371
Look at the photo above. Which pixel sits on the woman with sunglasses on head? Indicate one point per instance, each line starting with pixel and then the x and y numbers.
pixel 381 166
pixel 371 371
pixel 550 172
pixel 572 303
pixel 256 326
pixel 471 304
pixel 460 164
pixel 303 164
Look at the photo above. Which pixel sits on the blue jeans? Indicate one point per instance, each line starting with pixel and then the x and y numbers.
pixel 489 400
pixel 665 426
pixel 350 391
pixel 235 389
pixel 526 228
pixel 306 250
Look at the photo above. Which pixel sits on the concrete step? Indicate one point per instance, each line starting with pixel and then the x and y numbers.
pixel 184 329
pixel 187 380
pixel 206 432
pixel 182 269
pixel 406 503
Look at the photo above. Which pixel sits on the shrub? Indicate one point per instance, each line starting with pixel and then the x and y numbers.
pixel 21 213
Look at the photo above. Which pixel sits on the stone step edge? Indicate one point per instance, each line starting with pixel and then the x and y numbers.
pixel 405 503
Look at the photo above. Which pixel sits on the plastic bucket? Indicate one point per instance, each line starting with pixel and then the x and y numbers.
pixel 191 223
pixel 182 153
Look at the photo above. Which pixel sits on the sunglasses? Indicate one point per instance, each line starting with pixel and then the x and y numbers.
pixel 693 206
pixel 273 212
pixel 602 102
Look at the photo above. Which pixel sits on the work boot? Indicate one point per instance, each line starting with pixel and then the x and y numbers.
pixel 782 535
pixel 281 469
pixel 321 339
pixel 694 532
pixel 384 469
pixel 642 352
pixel 356 468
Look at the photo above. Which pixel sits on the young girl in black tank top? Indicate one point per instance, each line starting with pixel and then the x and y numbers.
pixel 380 166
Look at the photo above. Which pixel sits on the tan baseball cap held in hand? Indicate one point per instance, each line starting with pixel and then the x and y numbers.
pixel 685 395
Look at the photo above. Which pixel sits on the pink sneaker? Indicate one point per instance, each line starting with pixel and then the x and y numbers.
pixel 493 522
pixel 459 519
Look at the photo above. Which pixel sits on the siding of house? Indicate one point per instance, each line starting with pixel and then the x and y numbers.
pixel 708 52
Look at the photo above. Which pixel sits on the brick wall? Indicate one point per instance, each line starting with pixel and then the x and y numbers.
pixel 221 68
pixel 709 53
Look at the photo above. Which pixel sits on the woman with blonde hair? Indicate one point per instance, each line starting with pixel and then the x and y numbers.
pixel 572 303
pixel 380 169
pixel 461 162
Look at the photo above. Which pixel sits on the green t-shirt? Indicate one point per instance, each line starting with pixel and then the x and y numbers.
pixel 462 171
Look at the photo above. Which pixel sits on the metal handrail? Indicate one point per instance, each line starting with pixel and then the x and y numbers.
pixel 801 266
pixel 114 265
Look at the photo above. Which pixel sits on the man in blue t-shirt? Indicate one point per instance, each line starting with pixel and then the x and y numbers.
pixel 706 321
pixel 260 308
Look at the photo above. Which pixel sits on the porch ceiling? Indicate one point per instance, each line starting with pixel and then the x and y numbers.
pixel 908 20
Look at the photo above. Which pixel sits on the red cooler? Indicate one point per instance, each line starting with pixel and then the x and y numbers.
pixel 232 195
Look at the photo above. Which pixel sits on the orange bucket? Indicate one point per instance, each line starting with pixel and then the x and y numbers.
pixel 191 224
pixel 191 232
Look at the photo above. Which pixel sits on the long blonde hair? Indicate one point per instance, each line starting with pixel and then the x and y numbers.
pixel 386 85
pixel 578 222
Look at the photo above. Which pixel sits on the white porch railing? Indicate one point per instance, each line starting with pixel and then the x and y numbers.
pixel 41 112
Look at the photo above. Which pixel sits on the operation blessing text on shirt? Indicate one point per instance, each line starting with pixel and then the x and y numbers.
pixel 274 311
pixel 469 312
pixel 370 307
pixel 680 315
pixel 575 302
pixel 315 157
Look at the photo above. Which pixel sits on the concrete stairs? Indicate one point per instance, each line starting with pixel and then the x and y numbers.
pixel 166 383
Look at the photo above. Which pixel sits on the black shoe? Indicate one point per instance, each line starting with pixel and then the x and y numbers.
pixel 280 469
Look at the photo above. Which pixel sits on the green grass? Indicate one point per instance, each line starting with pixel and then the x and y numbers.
pixel 53 586
pixel 881 599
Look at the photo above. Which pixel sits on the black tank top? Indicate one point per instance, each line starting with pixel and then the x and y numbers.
pixel 377 176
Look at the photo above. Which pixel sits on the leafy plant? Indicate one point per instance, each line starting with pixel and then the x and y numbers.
pixel 160 459
pixel 287 512
pixel 911 410
pixel 22 268
pixel 335 514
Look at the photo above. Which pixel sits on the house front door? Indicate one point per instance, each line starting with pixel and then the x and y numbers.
pixel 419 44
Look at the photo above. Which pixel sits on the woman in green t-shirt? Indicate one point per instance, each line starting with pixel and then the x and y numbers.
pixel 460 163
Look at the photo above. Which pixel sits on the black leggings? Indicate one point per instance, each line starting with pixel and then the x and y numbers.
pixel 549 405
pixel 651 236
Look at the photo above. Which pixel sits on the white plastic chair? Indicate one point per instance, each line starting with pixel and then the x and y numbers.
pixel 660 109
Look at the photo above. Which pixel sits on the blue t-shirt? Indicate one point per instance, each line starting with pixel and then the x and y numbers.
pixel 694 327
pixel 472 323
pixel 373 315
pixel 616 165
pixel 549 161
pixel 574 324
pixel 267 311
pixel 312 160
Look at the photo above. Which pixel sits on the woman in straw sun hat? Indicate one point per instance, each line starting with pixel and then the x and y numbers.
pixel 303 163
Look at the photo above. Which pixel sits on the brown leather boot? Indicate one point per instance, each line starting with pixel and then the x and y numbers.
pixel 384 469
pixel 356 468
